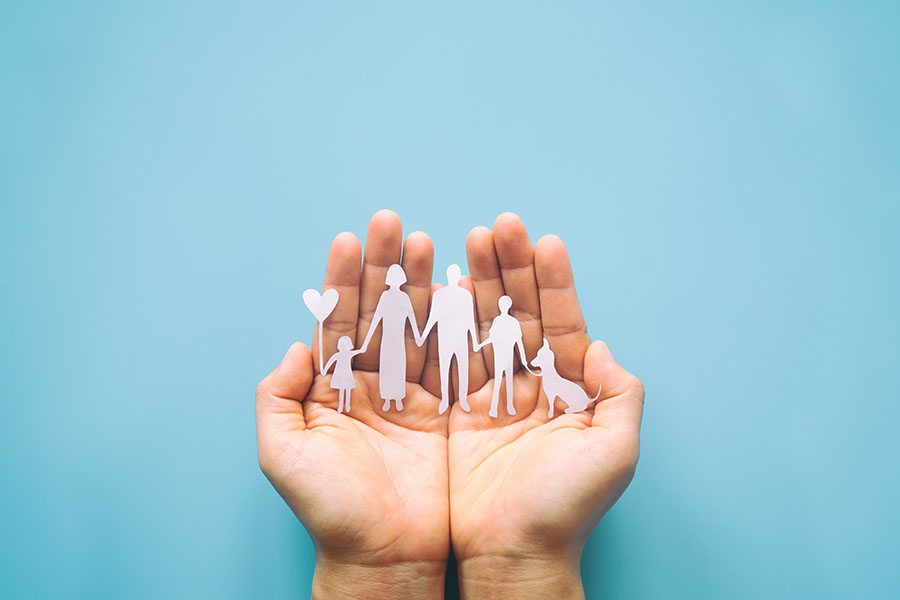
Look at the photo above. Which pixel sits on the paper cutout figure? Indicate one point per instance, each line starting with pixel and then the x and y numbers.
pixel 394 309
pixel 453 312
pixel 320 305
pixel 505 335
pixel 342 380
pixel 555 386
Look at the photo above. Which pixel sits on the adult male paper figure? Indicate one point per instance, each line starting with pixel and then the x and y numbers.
pixel 453 312
pixel 505 335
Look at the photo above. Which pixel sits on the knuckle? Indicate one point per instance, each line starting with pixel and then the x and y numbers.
pixel 637 386
pixel 262 387
pixel 265 459
pixel 628 452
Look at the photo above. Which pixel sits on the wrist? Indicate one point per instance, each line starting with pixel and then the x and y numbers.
pixel 408 579
pixel 521 577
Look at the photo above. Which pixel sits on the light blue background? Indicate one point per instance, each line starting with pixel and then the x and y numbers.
pixel 725 175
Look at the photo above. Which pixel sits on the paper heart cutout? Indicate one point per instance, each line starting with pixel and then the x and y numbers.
pixel 320 305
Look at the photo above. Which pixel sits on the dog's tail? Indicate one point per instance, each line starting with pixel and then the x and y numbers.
pixel 594 399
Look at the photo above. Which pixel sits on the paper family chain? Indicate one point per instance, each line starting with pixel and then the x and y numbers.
pixel 453 314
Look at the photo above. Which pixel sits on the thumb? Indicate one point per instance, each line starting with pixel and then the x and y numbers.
pixel 620 406
pixel 279 397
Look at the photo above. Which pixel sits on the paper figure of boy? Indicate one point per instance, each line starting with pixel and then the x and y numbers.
pixel 342 380
pixel 505 335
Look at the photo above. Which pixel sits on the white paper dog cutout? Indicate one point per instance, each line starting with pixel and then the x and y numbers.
pixel 505 335
pixel 394 309
pixel 555 386
pixel 453 312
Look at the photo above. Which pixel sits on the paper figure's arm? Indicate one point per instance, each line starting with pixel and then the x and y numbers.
pixel 524 360
pixel 328 364
pixel 432 319
pixel 478 347
pixel 473 330
pixel 376 318
pixel 411 316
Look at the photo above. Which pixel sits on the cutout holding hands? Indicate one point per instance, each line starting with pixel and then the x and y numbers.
pixel 527 489
pixel 393 310
pixel 453 312
pixel 517 494
pixel 505 336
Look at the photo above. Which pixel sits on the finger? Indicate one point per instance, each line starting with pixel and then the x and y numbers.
pixel 383 241
pixel 418 262
pixel 484 269
pixel 478 374
pixel 620 407
pixel 431 372
pixel 279 399
pixel 341 274
pixel 563 323
pixel 516 256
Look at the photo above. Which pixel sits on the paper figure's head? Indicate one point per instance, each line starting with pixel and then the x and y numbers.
pixel 453 274
pixel 395 276
pixel 545 357
pixel 345 343
pixel 504 303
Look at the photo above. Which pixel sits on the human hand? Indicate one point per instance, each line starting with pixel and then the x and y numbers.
pixel 370 486
pixel 525 490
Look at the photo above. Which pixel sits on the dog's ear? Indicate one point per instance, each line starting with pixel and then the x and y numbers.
pixel 546 343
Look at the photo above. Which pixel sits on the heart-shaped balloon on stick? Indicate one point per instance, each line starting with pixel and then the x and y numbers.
pixel 320 305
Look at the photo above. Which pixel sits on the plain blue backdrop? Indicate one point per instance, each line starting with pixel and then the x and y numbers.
pixel 724 174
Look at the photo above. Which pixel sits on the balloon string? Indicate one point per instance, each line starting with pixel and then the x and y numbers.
pixel 321 341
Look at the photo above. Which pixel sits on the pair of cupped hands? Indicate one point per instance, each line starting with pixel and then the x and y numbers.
pixel 384 495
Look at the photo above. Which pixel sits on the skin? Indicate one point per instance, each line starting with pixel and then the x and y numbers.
pixel 385 494
pixel 525 490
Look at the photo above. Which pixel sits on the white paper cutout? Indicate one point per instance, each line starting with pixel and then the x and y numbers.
pixel 394 309
pixel 555 386
pixel 453 312
pixel 505 336
pixel 342 379
pixel 321 306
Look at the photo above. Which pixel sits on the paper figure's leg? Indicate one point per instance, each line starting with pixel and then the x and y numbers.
pixel 341 400
pixel 444 366
pixel 462 364
pixel 510 406
pixel 399 402
pixel 552 400
pixel 495 393
pixel 347 402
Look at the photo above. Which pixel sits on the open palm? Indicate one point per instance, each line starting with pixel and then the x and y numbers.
pixel 527 486
pixel 369 486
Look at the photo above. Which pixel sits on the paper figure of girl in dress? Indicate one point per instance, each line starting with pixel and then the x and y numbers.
pixel 342 380
pixel 394 309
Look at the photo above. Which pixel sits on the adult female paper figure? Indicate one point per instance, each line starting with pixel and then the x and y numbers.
pixel 394 309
